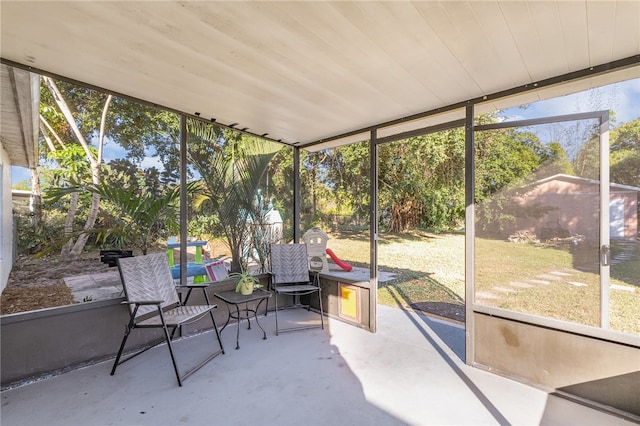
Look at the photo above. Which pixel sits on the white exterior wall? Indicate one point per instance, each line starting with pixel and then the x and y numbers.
pixel 6 219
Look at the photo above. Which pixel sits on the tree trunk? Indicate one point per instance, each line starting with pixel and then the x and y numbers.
pixel 95 178
pixel 404 215
pixel 36 199
pixel 91 220
pixel 236 263
pixel 45 134
pixel 95 163
pixel 68 224
pixel 47 126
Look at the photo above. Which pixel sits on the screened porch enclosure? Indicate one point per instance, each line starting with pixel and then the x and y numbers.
pixel 308 77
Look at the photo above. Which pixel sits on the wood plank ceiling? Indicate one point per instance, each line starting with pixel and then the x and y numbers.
pixel 306 71
pixel 19 115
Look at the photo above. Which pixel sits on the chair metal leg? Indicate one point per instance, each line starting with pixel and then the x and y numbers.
pixel 321 311
pixel 124 341
pixel 197 366
pixel 277 307
pixel 299 305
pixel 173 359
pixel 238 326
pixel 215 327
pixel 127 331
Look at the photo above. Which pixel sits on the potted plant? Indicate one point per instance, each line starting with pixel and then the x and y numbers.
pixel 246 282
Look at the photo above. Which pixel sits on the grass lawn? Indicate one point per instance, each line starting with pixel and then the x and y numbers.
pixel 519 277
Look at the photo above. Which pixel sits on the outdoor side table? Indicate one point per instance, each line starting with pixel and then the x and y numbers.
pixel 236 299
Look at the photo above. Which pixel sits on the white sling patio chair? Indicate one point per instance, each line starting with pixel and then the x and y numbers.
pixel 290 276
pixel 154 303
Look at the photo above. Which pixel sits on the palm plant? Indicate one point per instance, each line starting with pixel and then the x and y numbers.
pixel 137 218
pixel 141 218
pixel 230 178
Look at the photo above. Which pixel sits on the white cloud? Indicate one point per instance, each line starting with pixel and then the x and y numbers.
pixel 149 162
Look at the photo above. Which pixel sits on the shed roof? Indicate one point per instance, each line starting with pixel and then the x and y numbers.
pixel 582 180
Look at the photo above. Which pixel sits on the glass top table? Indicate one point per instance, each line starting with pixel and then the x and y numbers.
pixel 232 298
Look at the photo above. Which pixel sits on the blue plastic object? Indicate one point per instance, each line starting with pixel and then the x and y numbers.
pixel 193 270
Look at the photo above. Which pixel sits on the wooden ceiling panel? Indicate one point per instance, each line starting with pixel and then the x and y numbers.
pixel 573 25
pixel 457 76
pixel 473 51
pixel 307 71
pixel 526 37
pixel 550 37
pixel 601 20
pixel 498 36
pixel 415 19
pixel 626 28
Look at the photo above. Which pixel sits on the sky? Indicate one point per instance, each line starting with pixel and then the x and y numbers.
pixel 622 97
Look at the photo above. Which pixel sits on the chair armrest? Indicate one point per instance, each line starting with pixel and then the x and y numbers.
pixel 141 302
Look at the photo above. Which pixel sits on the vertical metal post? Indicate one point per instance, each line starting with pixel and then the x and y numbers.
pixel 183 200
pixel 373 232
pixel 469 190
pixel 605 237
pixel 296 194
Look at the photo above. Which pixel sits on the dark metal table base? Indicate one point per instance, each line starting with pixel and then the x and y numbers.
pixel 236 299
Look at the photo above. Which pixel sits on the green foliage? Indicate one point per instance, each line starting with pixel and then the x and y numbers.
pixel 624 158
pixel 231 167
pixel 135 127
pixel 506 160
pixel 587 162
pixel 504 157
pixel 132 216
pixel 144 180
pixel 556 162
pixel 625 154
pixel 246 281
pixel 72 164
pixel 23 185
pixel 32 239
pixel 335 187
pixel 132 125
pixel 422 182
pixel 349 168
pixel 279 187
pixel 315 189
pixel 202 226
pixel 142 218
pixel 626 137
pixel 421 179
pixel 625 167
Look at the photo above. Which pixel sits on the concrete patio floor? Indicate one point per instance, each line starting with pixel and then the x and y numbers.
pixel 410 372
